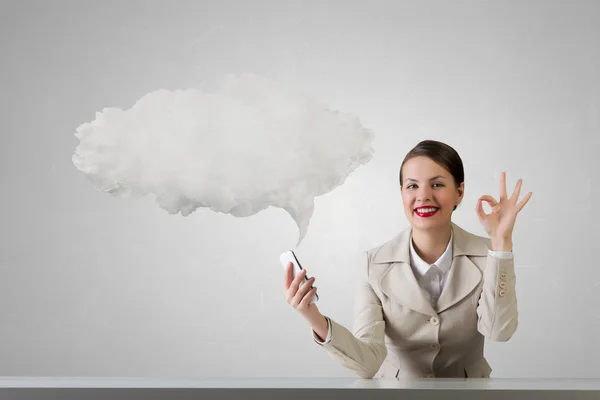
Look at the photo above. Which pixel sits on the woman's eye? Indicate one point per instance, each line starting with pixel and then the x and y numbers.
pixel 441 185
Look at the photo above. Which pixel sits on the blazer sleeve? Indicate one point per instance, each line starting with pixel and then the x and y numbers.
pixel 363 350
pixel 497 309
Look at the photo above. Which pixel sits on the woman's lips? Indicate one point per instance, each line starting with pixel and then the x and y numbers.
pixel 426 212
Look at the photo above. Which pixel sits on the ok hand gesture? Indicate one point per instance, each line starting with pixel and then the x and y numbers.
pixel 500 223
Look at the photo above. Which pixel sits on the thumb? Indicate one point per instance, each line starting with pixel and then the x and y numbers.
pixel 288 276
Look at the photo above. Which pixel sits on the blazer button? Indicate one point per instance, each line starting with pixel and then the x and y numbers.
pixel 503 275
pixel 502 292
pixel 434 321
pixel 502 285
pixel 434 346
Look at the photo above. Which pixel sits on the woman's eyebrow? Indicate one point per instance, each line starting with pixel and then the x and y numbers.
pixel 435 177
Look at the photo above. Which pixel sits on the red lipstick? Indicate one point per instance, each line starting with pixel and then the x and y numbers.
pixel 426 211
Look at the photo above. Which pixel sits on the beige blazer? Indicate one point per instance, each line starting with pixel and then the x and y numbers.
pixel 399 334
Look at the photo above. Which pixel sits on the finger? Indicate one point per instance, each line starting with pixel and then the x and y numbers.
pixel 490 200
pixel 305 303
pixel 298 280
pixel 495 206
pixel 480 212
pixel 288 276
pixel 517 192
pixel 502 185
pixel 522 203
pixel 306 286
pixel 293 288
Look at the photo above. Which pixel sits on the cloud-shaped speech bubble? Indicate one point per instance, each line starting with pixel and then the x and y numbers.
pixel 249 145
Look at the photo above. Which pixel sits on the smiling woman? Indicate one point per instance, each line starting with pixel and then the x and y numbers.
pixel 427 299
pixel 432 186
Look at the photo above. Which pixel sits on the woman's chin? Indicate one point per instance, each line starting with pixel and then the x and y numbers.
pixel 426 223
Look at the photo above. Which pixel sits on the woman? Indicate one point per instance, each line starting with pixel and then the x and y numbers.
pixel 427 298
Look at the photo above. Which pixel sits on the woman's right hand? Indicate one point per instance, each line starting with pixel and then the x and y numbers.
pixel 298 292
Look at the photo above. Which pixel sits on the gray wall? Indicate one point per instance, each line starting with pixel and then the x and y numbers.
pixel 93 284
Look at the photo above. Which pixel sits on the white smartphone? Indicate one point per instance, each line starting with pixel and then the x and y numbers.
pixel 290 256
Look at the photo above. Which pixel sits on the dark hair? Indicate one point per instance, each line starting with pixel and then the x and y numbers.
pixel 442 154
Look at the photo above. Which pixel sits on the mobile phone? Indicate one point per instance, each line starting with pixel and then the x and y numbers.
pixel 290 256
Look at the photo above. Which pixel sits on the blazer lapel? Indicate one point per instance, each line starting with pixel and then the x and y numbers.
pixel 464 276
pixel 398 282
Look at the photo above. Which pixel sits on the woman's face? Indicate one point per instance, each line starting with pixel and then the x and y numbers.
pixel 429 193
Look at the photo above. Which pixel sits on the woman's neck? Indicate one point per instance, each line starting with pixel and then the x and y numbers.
pixel 431 244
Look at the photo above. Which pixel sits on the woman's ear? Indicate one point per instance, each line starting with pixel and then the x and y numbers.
pixel 461 194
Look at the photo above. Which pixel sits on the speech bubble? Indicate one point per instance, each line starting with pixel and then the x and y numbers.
pixel 248 145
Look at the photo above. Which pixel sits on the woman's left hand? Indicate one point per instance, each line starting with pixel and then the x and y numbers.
pixel 500 223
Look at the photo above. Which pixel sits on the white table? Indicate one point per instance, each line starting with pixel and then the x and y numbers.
pixel 289 389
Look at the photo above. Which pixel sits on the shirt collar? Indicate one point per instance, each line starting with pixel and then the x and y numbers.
pixel 443 263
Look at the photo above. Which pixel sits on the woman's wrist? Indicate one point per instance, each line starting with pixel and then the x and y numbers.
pixel 319 325
pixel 502 244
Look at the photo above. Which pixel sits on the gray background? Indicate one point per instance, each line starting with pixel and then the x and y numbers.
pixel 100 286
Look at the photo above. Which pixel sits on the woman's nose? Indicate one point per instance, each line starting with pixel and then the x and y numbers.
pixel 424 194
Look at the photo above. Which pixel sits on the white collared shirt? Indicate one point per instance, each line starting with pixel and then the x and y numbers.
pixel 431 277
